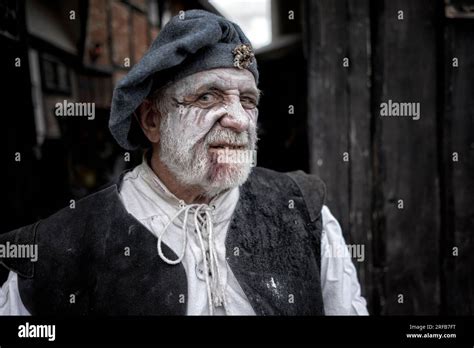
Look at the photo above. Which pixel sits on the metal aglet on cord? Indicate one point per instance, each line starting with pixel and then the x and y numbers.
pixel 203 227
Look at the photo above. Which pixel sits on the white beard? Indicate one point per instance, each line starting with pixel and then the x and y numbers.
pixel 191 163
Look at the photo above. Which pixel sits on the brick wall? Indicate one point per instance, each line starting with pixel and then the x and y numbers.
pixel 97 49
pixel 140 35
pixel 117 30
pixel 120 33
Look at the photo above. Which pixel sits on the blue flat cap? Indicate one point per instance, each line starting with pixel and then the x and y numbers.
pixel 193 41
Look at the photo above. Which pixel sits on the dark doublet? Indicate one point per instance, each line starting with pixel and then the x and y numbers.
pixel 272 247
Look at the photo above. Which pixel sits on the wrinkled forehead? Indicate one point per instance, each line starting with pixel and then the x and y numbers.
pixel 221 78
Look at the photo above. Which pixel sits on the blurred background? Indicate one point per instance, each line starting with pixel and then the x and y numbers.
pixel 403 189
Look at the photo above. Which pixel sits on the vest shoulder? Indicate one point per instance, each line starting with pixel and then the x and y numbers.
pixel 304 180
pixel 94 204
pixel 310 186
pixel 65 227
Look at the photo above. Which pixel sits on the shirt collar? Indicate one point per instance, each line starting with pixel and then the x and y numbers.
pixel 223 204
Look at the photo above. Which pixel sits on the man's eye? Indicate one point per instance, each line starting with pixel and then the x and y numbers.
pixel 207 97
pixel 248 103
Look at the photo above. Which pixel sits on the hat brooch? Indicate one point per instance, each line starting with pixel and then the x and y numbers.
pixel 243 56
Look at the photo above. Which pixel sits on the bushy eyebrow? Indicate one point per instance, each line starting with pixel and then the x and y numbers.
pixel 217 86
pixel 254 91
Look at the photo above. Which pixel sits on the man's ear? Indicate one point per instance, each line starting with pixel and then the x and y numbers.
pixel 149 119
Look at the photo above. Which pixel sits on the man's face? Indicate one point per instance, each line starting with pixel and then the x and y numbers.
pixel 204 116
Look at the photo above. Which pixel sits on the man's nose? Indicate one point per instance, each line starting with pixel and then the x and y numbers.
pixel 235 117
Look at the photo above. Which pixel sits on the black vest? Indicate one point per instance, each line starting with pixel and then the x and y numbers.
pixel 97 259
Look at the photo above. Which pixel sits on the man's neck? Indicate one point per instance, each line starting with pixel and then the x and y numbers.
pixel 189 194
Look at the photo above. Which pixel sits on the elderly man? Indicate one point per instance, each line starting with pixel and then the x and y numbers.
pixel 194 229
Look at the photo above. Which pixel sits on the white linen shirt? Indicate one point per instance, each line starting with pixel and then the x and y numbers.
pixel 147 199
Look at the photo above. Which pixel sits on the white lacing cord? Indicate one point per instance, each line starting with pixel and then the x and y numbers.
pixel 183 228
pixel 215 293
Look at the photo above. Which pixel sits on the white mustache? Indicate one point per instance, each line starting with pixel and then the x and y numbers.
pixel 227 137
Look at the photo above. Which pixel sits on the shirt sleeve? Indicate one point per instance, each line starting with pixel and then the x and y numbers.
pixel 340 287
pixel 10 301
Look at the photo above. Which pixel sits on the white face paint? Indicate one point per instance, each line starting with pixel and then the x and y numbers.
pixel 205 114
